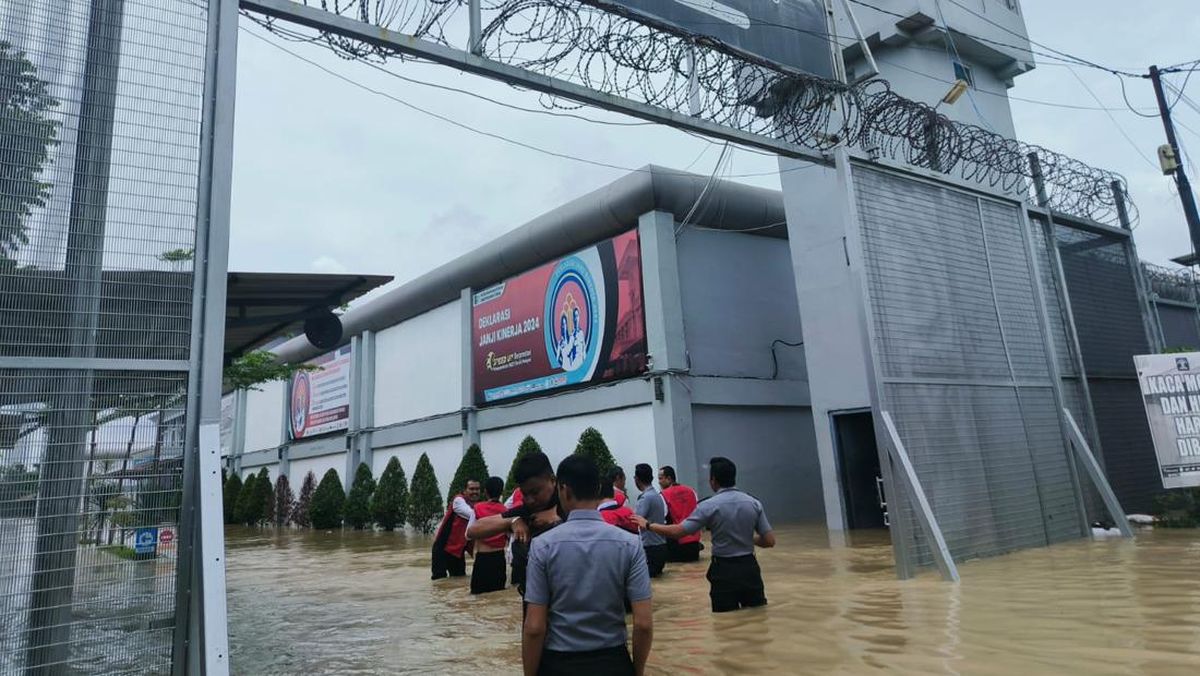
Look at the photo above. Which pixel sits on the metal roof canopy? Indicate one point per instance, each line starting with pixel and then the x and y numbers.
pixel 260 306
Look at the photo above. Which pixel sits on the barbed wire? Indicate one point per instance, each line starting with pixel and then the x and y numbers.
pixel 615 52
pixel 1178 284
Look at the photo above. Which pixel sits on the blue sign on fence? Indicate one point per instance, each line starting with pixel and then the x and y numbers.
pixel 145 540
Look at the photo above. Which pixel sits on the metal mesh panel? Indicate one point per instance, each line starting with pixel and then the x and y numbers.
pixel 1180 325
pixel 958 341
pixel 1111 327
pixel 99 159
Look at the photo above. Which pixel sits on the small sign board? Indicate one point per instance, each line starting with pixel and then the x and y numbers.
pixel 145 540
pixel 1171 392
pixel 166 536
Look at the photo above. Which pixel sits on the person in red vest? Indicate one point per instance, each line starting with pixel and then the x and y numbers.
pixel 451 544
pixel 614 513
pixel 681 502
pixel 487 575
pixel 616 477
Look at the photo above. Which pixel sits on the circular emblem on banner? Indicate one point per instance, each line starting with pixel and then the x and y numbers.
pixel 301 397
pixel 572 319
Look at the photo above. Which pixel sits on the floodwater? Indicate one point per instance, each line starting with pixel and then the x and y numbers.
pixel 362 603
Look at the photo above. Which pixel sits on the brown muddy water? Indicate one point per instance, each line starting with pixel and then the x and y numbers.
pixel 362 603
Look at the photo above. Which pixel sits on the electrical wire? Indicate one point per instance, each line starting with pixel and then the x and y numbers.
pixel 1116 124
pixel 1183 87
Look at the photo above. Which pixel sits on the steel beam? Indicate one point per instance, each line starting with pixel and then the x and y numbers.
pixel 1084 452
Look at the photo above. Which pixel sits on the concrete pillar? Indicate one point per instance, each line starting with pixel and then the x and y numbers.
pixel 672 407
pixel 470 420
pixel 240 397
pixel 352 448
pixel 366 400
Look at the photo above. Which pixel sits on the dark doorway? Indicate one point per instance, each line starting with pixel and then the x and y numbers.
pixel 858 461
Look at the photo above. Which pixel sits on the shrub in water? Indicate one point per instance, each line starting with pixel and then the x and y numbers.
pixel 389 504
pixel 472 467
pixel 424 500
pixel 591 445
pixel 284 500
pixel 328 502
pixel 300 513
pixel 247 510
pixel 266 497
pixel 358 503
pixel 528 445
pixel 233 489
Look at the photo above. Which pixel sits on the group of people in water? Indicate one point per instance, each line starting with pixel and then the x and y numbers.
pixel 582 556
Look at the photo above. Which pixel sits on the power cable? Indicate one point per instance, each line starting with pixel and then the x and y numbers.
pixel 1116 124
pixel 957 59
pixel 1183 87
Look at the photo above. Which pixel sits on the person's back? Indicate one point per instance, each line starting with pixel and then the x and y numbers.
pixel 681 502
pixel 488 574
pixel 651 507
pixel 578 578
pixel 613 511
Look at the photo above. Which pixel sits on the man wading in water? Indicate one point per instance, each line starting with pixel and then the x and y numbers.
pixel 738 523
pixel 538 513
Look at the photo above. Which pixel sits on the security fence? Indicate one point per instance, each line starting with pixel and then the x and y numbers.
pixel 100 195
pixel 1176 303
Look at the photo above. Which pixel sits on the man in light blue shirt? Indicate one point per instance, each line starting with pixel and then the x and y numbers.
pixel 579 576
pixel 651 507
pixel 738 524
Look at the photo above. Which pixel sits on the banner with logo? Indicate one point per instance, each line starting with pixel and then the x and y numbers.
pixel 1171 391
pixel 575 320
pixel 320 400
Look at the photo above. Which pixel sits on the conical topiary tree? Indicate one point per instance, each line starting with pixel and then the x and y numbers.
pixel 284 500
pixel 246 512
pixel 233 489
pixel 389 504
pixel 328 502
pixel 358 502
pixel 591 445
pixel 528 445
pixel 472 467
pixel 424 500
pixel 266 496
pixel 300 513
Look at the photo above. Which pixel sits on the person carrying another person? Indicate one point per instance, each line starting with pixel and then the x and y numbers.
pixel 738 523
pixel 538 512
pixel 681 500
pixel 617 476
pixel 450 546
pixel 579 576
pixel 653 509
pixel 613 512
pixel 488 573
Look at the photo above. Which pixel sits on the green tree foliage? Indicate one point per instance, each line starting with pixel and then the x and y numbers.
pixel 1178 508
pixel 232 492
pixel 472 467
pixel 591 445
pixel 247 507
pixel 284 501
pixel 358 503
pixel 425 505
pixel 301 515
pixel 328 502
pixel 258 367
pixel 26 135
pixel 528 445
pixel 389 504
pixel 266 496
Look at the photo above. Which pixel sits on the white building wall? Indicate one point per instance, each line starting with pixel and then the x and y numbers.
pixel 272 471
pixel 318 466
pixel 444 455
pixel 264 416
pixel 628 432
pixel 418 366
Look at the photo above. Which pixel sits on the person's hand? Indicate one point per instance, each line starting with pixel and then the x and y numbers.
pixel 520 529
pixel 641 522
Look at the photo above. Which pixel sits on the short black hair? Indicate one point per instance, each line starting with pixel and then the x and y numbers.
pixel 611 476
pixel 581 475
pixel 643 473
pixel 532 465
pixel 670 472
pixel 494 487
pixel 607 490
pixel 723 471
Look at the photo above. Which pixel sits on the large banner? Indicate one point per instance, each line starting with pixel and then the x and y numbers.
pixel 320 400
pixel 791 33
pixel 575 320
pixel 1171 390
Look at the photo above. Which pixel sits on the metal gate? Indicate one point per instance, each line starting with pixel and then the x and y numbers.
pixel 963 365
pixel 105 265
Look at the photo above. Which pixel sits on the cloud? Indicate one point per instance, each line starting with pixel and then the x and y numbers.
pixel 327 264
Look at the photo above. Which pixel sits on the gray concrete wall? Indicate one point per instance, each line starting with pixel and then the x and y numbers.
pixel 738 296
pixel 775 450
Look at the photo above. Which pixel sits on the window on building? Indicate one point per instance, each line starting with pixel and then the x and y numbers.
pixel 962 72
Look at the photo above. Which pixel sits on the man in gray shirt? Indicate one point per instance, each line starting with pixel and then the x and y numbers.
pixel 651 507
pixel 579 576
pixel 738 523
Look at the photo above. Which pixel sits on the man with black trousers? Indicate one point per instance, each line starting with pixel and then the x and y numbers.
pixel 738 523
pixel 651 507
pixel 579 576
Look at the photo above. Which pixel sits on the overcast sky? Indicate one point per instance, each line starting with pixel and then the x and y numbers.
pixel 329 177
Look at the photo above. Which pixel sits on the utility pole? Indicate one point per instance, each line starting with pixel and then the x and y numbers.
pixel 1181 180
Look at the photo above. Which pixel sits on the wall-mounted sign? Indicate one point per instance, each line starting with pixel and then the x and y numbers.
pixel 575 320
pixel 1171 391
pixel 320 400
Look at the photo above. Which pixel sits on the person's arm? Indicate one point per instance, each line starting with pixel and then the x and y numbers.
pixel 764 536
pixel 489 526
pixel 462 508
pixel 696 521
pixel 637 590
pixel 533 638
